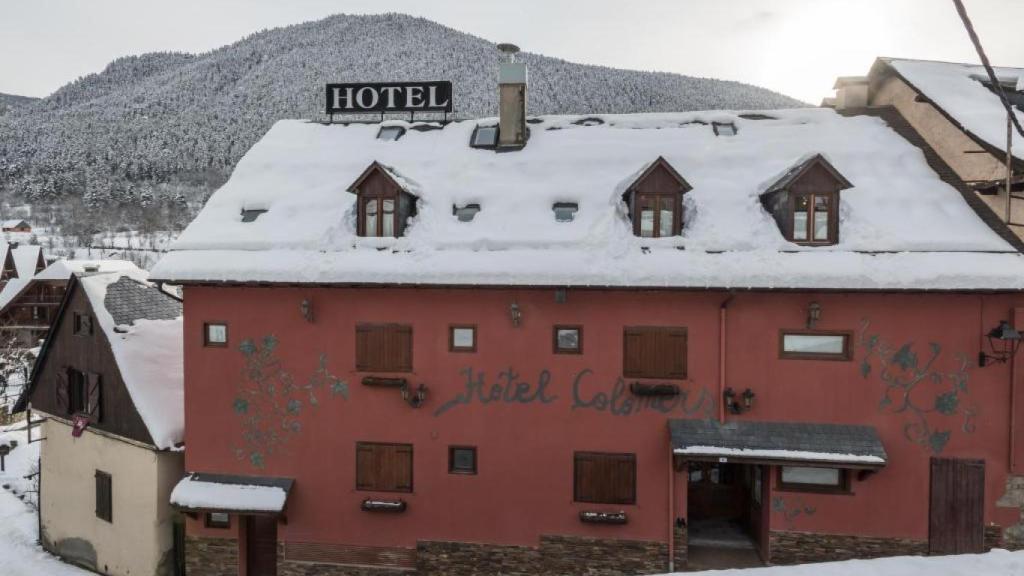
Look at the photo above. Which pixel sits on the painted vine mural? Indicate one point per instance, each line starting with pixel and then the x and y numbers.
pixel 917 387
pixel 271 403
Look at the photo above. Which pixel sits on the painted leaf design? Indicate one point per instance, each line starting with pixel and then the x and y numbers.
pixel 247 347
pixel 294 406
pixel 947 403
pixel 937 441
pixel 865 368
pixel 241 405
pixel 256 459
pixel 340 387
pixel 884 403
pixel 905 357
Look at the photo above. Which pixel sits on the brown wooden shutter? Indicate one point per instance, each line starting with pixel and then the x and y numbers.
pixel 604 478
pixel 383 348
pixel 654 352
pixel 93 406
pixel 402 462
pixel 366 467
pixel 104 497
pixel 62 396
pixel 384 467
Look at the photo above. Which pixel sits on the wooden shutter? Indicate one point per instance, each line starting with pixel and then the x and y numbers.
pixel 104 497
pixel 604 478
pixel 654 352
pixel 384 467
pixel 62 396
pixel 956 519
pixel 383 348
pixel 93 404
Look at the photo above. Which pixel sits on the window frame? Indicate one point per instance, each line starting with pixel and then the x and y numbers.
pixel 574 206
pixel 843 487
pixel 676 331
pixel 373 326
pixel 82 324
pixel 78 391
pixel 555 348
pixel 657 197
pixel 845 356
pixel 832 215
pixel 412 462
pixel 209 522
pixel 451 338
pixel 104 494
pixel 628 456
pixel 451 460
pixel 207 343
pixel 392 194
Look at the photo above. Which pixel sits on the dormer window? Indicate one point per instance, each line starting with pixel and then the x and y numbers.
pixel 466 213
pixel 805 202
pixel 383 206
pixel 565 211
pixel 655 201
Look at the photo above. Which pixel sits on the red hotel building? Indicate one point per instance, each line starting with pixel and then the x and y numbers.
pixel 607 348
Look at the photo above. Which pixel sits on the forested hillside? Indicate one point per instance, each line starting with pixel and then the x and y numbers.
pixel 143 142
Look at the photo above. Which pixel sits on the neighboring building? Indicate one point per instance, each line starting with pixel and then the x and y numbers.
pixel 955 108
pixel 109 383
pixel 603 352
pixel 20 263
pixel 29 303
pixel 15 226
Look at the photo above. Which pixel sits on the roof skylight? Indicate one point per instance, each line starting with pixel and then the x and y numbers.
pixel 466 213
pixel 251 215
pixel 390 133
pixel 724 128
pixel 565 211
pixel 485 137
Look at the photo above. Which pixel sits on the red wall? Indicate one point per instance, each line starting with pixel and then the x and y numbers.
pixel 524 485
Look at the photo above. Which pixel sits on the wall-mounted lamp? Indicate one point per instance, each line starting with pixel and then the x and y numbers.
pixel 813 314
pixel 414 397
pixel 1004 341
pixel 735 406
pixel 306 307
pixel 516 313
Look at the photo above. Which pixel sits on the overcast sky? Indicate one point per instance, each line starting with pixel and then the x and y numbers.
pixel 796 47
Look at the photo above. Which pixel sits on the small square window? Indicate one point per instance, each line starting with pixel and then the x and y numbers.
pixel 218 520
pixel 466 213
pixel 462 459
pixel 803 345
pixel 568 339
pixel 462 338
pixel 565 211
pixel 83 324
pixel 215 334
pixel 390 133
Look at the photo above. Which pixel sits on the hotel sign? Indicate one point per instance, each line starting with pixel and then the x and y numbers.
pixel 382 97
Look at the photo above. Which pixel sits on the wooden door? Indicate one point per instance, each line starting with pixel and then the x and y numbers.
pixel 261 546
pixel 956 520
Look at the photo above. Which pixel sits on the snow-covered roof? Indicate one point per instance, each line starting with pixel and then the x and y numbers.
pixel 901 227
pixel 212 492
pixel 144 327
pixel 63 269
pixel 958 90
pixel 26 258
pixel 12 223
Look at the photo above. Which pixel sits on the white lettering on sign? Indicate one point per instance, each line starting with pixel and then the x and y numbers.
pixel 390 92
pixel 432 91
pixel 414 97
pixel 342 100
pixel 435 96
pixel 362 100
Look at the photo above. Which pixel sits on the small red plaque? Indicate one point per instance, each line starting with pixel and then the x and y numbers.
pixel 78 424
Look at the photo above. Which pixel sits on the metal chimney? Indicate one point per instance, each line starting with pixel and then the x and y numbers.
pixel 511 99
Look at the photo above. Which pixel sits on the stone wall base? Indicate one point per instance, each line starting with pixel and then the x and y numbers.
pixel 680 548
pixel 556 556
pixel 803 547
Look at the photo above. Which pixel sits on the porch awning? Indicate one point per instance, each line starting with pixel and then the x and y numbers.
pixel 200 492
pixel 839 445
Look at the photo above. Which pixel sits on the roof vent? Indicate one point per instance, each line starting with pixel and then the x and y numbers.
pixel 251 215
pixel 724 128
pixel 90 268
pixel 511 100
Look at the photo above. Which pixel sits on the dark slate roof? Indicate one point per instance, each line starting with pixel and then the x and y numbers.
pixel 128 300
pixel 837 439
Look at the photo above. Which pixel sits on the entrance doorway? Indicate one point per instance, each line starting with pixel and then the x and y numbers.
pixel 726 508
pixel 261 545
pixel 956 517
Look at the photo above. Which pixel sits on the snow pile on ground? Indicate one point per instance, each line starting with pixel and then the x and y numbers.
pixel 900 225
pixel 994 563
pixel 958 90
pixel 20 555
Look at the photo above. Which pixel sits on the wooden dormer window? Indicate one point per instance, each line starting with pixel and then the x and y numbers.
pixel 805 202
pixel 383 206
pixel 655 201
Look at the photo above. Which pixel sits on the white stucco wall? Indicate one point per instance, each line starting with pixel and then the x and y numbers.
pixel 138 540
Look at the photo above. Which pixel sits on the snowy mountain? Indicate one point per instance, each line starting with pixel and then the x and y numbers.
pixel 10 101
pixel 147 125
